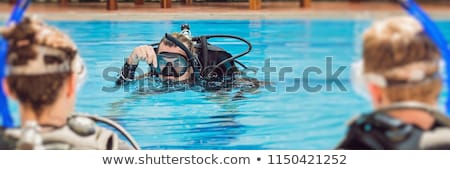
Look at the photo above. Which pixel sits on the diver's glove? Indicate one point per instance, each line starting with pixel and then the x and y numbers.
pixel 127 74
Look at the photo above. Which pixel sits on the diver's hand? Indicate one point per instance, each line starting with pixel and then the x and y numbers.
pixel 142 53
pixel 126 74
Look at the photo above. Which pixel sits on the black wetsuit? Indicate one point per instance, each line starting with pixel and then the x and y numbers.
pixel 382 132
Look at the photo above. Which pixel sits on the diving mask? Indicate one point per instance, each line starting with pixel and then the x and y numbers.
pixel 416 72
pixel 42 64
pixel 80 70
pixel 172 64
pixel 358 80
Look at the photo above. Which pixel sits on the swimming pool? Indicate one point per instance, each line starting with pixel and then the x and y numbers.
pixel 271 118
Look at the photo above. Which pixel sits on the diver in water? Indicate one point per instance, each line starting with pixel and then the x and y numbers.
pixel 181 58
pixel 43 74
pixel 170 62
pixel 400 70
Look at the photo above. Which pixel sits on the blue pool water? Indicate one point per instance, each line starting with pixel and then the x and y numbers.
pixel 266 119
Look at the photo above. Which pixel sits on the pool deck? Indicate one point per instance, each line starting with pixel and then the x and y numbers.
pixel 217 10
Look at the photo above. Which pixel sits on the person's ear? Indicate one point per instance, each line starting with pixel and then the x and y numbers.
pixel 376 94
pixel 7 90
pixel 71 85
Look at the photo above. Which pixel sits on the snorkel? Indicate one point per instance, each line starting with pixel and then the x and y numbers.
pixel 191 58
pixel 435 35
pixel 16 17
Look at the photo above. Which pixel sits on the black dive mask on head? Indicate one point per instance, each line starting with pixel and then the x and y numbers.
pixel 172 64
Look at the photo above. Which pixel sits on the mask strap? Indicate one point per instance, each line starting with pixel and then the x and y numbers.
pixel 433 32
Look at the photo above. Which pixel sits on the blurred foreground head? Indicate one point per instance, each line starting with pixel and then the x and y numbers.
pixel 43 67
pixel 401 63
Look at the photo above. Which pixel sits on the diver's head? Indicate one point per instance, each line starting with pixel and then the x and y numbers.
pixel 400 63
pixel 172 62
pixel 43 70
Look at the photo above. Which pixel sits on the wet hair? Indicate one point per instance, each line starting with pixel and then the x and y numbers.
pixel 180 37
pixel 397 42
pixel 40 90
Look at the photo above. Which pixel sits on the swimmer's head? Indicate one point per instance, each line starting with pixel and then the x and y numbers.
pixel 43 65
pixel 181 70
pixel 401 63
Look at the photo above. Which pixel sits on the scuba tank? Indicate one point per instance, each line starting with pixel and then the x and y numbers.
pixel 186 31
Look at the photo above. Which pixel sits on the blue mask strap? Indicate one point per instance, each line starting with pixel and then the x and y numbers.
pixel 16 17
pixel 433 32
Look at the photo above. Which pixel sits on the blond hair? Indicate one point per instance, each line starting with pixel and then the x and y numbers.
pixel 398 42
pixel 180 37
